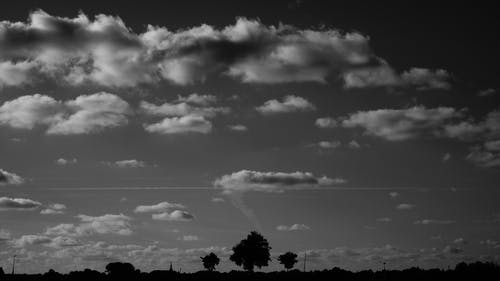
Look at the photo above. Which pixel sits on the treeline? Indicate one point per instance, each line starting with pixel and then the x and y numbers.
pixel 472 271
pixel 254 251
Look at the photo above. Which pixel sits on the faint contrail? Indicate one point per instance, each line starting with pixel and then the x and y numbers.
pixel 236 199
pixel 104 188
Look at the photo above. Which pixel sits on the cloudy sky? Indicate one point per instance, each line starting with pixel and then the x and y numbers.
pixel 155 133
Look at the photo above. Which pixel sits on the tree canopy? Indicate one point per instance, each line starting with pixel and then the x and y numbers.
pixel 288 260
pixel 210 261
pixel 253 251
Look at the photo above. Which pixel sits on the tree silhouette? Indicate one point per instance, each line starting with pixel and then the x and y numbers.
pixel 120 269
pixel 210 261
pixel 252 251
pixel 288 260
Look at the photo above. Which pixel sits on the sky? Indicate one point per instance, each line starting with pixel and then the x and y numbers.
pixel 146 132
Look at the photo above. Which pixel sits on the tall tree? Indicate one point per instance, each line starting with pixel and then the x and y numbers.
pixel 253 251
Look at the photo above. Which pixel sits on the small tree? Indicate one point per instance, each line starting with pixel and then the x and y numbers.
pixel 210 261
pixel 288 260
pixel 254 251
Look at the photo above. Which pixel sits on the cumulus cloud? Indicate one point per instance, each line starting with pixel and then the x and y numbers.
pixel 54 209
pixel 91 225
pixel 218 200
pixel 106 52
pixel 64 162
pixel 26 240
pixel 403 124
pixel 384 75
pixel 130 163
pixel 354 144
pixel 186 115
pixel 181 125
pixel 289 104
pixel 15 73
pixel 384 219
pixel 189 238
pixel 434 221
pixel 424 78
pixel 18 204
pixel 177 215
pixel 326 122
pixel 160 207
pixel 203 100
pixel 393 194
pixel 166 211
pixel 84 115
pixel 238 128
pixel 405 206
pixel 247 180
pixel 9 178
pixel 293 227
pixel 329 144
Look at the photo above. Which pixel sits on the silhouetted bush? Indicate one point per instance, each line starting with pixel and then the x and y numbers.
pixel 288 260
pixel 210 261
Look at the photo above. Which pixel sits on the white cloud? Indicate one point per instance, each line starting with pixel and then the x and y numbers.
pixel 84 115
pixel 247 180
pixel 329 144
pixel 189 238
pixel 106 52
pixel 403 124
pixel 424 78
pixel 203 100
pixel 181 125
pixel 63 161
pixel 160 207
pixel 91 225
pixel 181 109
pixel 218 200
pixel 238 127
pixel 54 209
pixel 405 206
pixel 177 215
pixel 129 163
pixel 289 104
pixel 187 115
pixel 460 241
pixel 326 122
pixel 27 240
pixel 384 75
pixel 293 227
pixel 15 74
pixel 384 219
pixel 9 178
pixel 354 144
pixel 394 194
pixel 20 204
